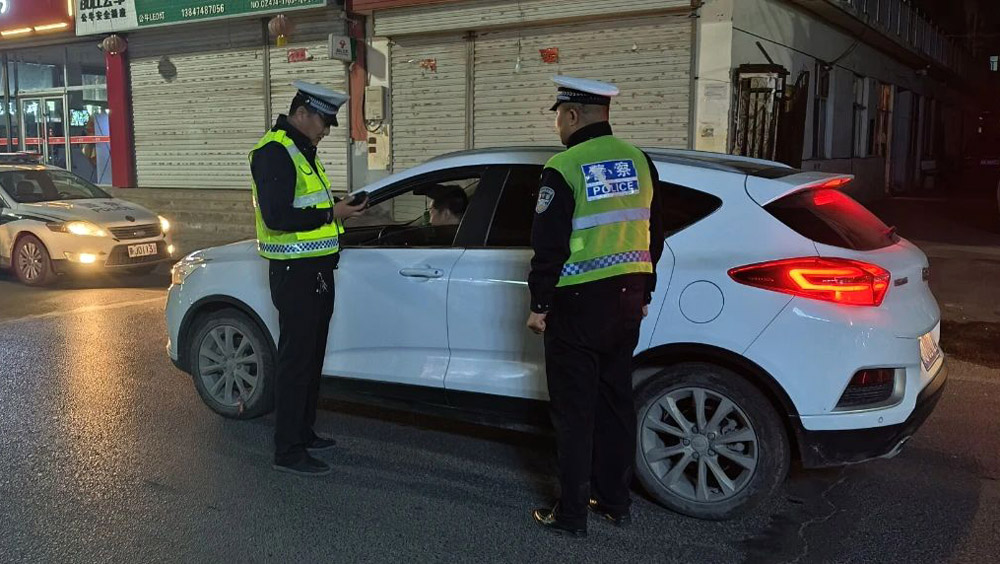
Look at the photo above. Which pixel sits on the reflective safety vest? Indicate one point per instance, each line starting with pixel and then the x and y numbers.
pixel 312 190
pixel 613 189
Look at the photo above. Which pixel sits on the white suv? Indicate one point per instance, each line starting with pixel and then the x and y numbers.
pixel 788 321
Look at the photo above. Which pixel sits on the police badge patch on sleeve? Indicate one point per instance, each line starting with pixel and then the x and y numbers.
pixel 545 197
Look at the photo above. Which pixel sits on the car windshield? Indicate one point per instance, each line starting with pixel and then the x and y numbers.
pixel 31 186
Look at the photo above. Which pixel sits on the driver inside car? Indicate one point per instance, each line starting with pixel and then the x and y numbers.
pixel 448 204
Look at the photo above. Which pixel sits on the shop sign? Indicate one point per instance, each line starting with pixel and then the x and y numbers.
pixel 341 48
pixel 107 16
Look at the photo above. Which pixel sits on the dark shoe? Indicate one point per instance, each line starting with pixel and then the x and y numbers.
pixel 321 444
pixel 616 519
pixel 546 517
pixel 307 466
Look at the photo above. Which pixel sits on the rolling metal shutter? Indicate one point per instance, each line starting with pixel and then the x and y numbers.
pixel 311 33
pixel 482 14
pixel 648 58
pixel 428 104
pixel 198 104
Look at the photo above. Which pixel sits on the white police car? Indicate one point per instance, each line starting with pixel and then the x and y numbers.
pixel 52 222
pixel 788 321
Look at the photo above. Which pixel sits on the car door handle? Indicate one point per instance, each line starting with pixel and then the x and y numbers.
pixel 422 272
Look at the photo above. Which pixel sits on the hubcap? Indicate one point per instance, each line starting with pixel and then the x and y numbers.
pixel 699 444
pixel 228 366
pixel 30 261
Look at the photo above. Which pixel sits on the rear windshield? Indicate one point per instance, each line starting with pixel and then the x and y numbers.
pixel 832 218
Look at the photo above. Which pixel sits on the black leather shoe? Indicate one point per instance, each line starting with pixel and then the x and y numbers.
pixel 616 519
pixel 321 444
pixel 546 517
pixel 307 466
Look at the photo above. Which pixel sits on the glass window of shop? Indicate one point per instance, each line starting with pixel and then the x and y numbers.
pixel 57 106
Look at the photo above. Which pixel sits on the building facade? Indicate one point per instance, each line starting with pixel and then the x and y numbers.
pixel 55 89
pixel 861 86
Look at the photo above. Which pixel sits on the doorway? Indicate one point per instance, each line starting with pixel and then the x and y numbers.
pixel 43 128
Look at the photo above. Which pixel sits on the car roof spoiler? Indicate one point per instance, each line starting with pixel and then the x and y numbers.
pixel 767 190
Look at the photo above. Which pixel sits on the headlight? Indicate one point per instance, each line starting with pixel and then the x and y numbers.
pixel 164 224
pixel 180 271
pixel 79 228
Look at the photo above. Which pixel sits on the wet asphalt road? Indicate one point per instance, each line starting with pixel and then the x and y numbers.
pixel 108 455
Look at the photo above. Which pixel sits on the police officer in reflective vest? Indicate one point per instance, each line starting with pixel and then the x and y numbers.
pixel 298 230
pixel 597 237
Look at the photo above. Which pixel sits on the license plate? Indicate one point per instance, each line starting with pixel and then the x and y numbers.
pixel 930 352
pixel 143 250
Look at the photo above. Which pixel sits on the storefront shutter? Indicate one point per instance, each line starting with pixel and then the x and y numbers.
pixel 648 58
pixel 198 103
pixel 312 31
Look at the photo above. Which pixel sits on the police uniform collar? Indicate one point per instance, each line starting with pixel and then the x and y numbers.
pixel 589 132
pixel 301 141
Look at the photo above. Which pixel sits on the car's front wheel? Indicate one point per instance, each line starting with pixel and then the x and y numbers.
pixel 232 364
pixel 709 444
pixel 32 263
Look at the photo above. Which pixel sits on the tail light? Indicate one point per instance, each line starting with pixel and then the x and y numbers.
pixel 841 281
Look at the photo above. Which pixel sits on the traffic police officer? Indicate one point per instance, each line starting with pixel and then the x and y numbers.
pixel 298 229
pixel 597 237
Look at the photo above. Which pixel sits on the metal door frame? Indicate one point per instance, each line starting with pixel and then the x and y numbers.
pixel 44 144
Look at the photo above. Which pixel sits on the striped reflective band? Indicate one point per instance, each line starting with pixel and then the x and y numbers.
pixel 298 248
pixel 614 216
pixel 310 200
pixel 606 261
pixel 293 151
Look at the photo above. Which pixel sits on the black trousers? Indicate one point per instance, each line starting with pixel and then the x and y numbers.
pixel 591 333
pixel 302 291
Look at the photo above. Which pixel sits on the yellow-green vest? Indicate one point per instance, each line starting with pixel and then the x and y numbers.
pixel 613 189
pixel 312 190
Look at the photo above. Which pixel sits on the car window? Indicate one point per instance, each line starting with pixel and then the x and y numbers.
pixel 681 207
pixel 33 186
pixel 832 218
pixel 515 211
pixel 425 214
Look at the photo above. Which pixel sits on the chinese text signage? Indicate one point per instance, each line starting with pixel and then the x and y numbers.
pixel 106 16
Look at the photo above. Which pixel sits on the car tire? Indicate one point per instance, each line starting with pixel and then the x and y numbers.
pixel 232 363
pixel 31 262
pixel 722 469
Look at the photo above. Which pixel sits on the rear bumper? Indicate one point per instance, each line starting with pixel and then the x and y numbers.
pixel 837 448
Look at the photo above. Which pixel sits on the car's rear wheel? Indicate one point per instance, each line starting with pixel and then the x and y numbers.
pixel 709 444
pixel 32 263
pixel 232 364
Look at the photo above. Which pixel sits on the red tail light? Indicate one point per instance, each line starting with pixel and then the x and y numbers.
pixel 835 280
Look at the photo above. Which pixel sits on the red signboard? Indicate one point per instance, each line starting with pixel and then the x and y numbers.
pixel 21 18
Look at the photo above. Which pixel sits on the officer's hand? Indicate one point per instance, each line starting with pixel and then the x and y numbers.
pixel 536 322
pixel 343 210
pixel 645 311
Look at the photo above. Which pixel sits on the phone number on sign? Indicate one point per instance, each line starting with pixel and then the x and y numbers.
pixel 264 4
pixel 210 10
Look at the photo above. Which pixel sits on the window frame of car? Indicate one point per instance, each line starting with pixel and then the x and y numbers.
pixel 474 226
pixel 672 192
pixel 54 174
